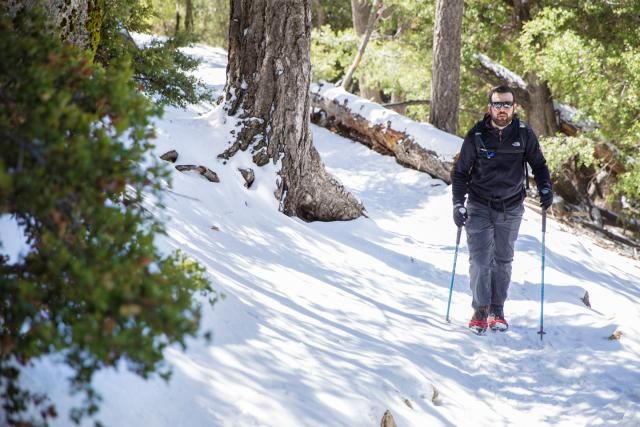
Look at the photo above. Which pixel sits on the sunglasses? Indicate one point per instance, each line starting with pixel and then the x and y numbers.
pixel 499 105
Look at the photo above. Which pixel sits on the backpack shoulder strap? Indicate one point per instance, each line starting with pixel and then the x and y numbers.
pixel 477 138
pixel 524 136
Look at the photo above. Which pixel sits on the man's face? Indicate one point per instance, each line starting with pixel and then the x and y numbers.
pixel 502 108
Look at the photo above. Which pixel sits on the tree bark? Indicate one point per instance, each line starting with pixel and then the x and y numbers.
pixel 521 13
pixel 445 81
pixel 79 21
pixel 540 112
pixel 188 16
pixel 267 89
pixel 398 102
pixel 318 14
pixel 360 11
pixel 177 27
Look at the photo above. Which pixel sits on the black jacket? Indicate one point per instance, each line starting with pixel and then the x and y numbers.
pixel 491 170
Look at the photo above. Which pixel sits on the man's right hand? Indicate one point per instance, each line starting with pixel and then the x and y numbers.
pixel 459 214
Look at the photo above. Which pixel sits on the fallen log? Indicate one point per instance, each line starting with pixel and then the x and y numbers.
pixel 419 146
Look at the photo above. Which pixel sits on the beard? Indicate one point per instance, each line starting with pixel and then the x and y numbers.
pixel 501 118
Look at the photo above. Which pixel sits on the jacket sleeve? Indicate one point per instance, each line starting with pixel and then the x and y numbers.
pixel 536 160
pixel 461 173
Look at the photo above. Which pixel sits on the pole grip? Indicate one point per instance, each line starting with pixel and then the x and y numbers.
pixel 458 236
pixel 544 220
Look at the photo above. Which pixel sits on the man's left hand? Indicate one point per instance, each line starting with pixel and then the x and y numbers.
pixel 546 197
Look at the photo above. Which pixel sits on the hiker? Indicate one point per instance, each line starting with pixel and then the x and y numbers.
pixel 491 171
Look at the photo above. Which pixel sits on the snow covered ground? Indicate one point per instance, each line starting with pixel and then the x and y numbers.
pixel 331 324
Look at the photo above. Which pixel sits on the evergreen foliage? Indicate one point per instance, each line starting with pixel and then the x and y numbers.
pixel 92 288
pixel 596 69
pixel 160 68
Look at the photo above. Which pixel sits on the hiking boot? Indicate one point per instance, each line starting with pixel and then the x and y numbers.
pixel 478 323
pixel 496 319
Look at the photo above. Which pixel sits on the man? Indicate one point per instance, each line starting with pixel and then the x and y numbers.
pixel 491 171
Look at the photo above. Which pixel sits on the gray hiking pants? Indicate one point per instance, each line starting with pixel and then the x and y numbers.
pixel 491 236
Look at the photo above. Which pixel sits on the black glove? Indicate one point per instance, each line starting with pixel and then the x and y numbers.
pixel 459 214
pixel 546 196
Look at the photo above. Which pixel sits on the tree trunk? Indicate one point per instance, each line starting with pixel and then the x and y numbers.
pixel 361 11
pixel 188 16
pixel 177 29
pixel 267 88
pixel 318 14
pixel 398 102
pixel 521 13
pixel 445 81
pixel 540 112
pixel 79 21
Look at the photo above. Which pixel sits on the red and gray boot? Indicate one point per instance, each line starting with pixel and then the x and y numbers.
pixel 496 319
pixel 478 323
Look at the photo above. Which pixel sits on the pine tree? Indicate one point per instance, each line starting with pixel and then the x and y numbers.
pixel 92 286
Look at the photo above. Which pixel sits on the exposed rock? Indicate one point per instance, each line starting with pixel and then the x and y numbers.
pixel 206 172
pixel 615 336
pixel 387 420
pixel 585 299
pixel 261 158
pixel 435 397
pixel 248 175
pixel 170 156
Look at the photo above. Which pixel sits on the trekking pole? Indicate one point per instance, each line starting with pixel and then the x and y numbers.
pixel 453 272
pixel 544 229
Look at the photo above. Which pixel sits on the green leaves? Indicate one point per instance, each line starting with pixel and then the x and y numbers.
pixel 93 287
pixel 159 68
pixel 591 65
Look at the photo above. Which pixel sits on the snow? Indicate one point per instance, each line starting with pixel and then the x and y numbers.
pixel 13 242
pixel 572 115
pixel 331 324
